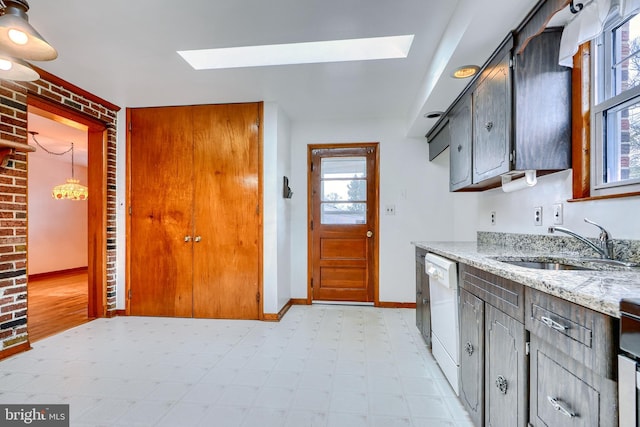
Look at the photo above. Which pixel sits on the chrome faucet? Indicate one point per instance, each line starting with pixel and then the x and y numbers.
pixel 605 248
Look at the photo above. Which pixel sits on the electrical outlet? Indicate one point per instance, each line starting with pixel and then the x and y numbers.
pixel 390 210
pixel 557 214
pixel 537 215
pixel 493 217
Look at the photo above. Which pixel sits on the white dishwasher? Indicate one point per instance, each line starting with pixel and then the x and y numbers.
pixel 445 329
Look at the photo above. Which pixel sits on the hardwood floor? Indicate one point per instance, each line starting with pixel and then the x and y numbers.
pixel 56 302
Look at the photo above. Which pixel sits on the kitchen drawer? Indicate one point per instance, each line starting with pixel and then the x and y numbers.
pixel 504 294
pixel 564 393
pixel 580 333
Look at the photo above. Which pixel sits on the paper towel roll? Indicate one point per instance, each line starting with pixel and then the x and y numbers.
pixel 529 180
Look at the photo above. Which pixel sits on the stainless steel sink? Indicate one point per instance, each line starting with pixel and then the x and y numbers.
pixel 545 265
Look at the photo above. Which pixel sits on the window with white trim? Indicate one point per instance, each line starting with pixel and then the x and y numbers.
pixel 615 149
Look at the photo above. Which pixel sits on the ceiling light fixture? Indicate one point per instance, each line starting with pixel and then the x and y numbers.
pixel 18 41
pixel 465 71
pixel 300 53
pixel 18 38
pixel 71 189
pixel 16 69
pixel 433 114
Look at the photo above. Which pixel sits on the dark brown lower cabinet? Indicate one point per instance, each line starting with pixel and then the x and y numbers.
pixel 530 359
pixel 564 393
pixel 505 370
pixel 423 307
pixel 572 364
pixel 493 360
pixel 472 355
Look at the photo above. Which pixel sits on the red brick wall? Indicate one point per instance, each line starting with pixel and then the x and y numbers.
pixel 13 200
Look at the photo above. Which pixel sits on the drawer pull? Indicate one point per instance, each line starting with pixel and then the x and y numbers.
pixel 553 324
pixel 468 348
pixel 501 383
pixel 558 407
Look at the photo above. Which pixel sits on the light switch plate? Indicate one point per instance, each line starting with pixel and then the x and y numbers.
pixel 557 214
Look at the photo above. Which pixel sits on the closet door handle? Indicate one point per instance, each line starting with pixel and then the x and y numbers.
pixel 197 239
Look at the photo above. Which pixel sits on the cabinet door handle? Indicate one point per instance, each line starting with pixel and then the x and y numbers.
pixel 489 126
pixel 425 301
pixel 187 239
pixel 553 324
pixel 459 148
pixel 197 239
pixel 558 407
pixel 468 347
pixel 501 383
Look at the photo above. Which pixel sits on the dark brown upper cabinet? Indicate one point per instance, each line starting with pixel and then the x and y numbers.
pixel 515 115
pixel 492 117
pixel 460 150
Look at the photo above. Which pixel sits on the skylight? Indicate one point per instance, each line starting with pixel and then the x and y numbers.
pixel 299 53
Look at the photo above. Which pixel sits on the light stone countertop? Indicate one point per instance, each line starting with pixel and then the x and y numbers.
pixel 599 290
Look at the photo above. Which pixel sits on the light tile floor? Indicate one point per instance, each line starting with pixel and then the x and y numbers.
pixel 320 366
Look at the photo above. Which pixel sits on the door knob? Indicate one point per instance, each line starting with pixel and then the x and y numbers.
pixel 187 238
pixel 197 239
pixel 369 233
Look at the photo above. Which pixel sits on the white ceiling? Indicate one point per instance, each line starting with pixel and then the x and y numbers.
pixel 125 52
pixel 57 138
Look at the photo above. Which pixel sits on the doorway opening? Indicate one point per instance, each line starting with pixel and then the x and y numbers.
pixel 83 287
pixel 343 223
pixel 57 233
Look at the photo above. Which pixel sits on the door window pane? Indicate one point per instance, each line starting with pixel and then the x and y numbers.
pixel 343 182
pixel 343 167
pixel 344 213
pixel 346 190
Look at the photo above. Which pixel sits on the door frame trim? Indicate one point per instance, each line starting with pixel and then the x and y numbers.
pixel 97 203
pixel 376 214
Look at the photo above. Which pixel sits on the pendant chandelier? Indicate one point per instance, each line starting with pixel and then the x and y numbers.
pixel 20 41
pixel 71 189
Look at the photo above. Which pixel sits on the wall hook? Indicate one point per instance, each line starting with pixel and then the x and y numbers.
pixel 575 8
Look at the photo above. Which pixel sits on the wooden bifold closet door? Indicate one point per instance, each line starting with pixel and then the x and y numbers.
pixel 195 223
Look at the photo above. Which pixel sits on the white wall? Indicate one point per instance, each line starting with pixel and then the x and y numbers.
pixel 418 188
pixel 514 211
pixel 57 229
pixel 277 231
pixel 284 211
